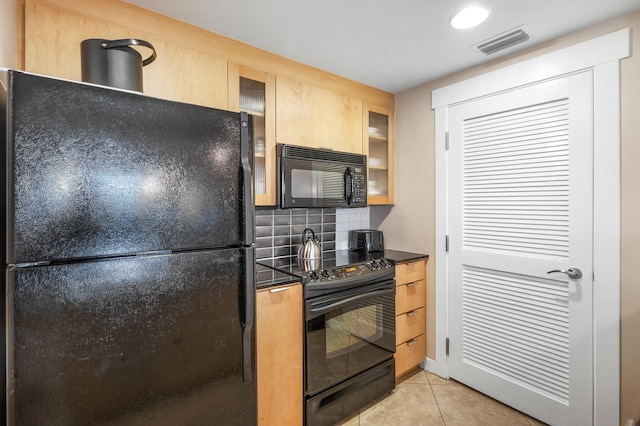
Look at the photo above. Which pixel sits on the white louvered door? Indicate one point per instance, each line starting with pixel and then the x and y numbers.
pixel 520 172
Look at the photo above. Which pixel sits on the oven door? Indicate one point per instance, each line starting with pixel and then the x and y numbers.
pixel 309 183
pixel 348 332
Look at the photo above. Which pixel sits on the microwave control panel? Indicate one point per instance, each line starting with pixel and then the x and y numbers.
pixel 359 186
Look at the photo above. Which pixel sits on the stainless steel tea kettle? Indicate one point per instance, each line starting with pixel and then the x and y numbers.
pixel 310 249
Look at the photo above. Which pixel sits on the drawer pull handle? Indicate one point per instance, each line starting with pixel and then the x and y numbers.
pixel 413 262
pixel 412 313
pixel 412 342
pixel 413 284
pixel 279 289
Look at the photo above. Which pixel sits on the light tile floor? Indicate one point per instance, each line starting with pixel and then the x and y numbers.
pixel 426 399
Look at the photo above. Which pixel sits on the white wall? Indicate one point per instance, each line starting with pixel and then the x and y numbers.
pixel 8 34
pixel 410 225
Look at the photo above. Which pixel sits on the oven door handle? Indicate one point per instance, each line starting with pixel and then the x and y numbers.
pixel 323 309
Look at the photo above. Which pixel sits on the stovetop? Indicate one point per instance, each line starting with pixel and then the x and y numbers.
pixel 347 268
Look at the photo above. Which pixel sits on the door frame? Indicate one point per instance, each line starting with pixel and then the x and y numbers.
pixel 602 55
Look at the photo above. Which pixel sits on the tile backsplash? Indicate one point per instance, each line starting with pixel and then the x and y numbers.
pixel 279 231
pixel 348 219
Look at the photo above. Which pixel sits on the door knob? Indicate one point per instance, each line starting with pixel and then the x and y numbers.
pixel 573 273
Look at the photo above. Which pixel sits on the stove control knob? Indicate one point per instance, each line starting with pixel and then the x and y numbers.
pixel 374 264
pixel 324 273
pixel 383 263
pixel 313 276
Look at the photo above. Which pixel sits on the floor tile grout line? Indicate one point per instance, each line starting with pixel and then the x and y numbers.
pixel 360 421
pixel 436 400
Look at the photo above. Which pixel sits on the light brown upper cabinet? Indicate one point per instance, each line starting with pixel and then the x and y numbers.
pixel 254 92
pixel 302 105
pixel 54 29
pixel 379 148
pixel 311 116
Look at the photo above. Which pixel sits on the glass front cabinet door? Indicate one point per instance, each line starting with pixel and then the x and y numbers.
pixel 254 92
pixel 379 147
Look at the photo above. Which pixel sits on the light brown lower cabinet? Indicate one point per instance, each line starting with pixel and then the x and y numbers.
pixel 409 354
pixel 279 339
pixel 411 299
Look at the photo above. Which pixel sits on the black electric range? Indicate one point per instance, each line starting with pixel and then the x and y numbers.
pixel 336 271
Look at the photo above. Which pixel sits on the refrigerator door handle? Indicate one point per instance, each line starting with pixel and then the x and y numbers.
pixel 249 317
pixel 246 153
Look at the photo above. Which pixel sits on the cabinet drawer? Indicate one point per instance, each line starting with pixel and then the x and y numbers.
pixel 411 296
pixel 410 354
pixel 411 271
pixel 410 324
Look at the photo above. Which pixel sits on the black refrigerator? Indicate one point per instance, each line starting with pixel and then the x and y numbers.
pixel 129 260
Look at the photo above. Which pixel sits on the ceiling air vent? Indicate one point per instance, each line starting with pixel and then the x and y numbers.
pixel 503 41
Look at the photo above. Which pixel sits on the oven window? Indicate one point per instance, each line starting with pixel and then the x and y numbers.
pixel 352 330
pixel 349 339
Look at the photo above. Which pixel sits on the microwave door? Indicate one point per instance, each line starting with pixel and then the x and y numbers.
pixel 334 185
pixel 316 183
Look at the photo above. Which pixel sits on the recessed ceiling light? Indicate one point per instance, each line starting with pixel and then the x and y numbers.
pixel 469 17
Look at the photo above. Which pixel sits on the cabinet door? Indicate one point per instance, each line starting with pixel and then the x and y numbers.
pixel 411 296
pixel 311 116
pixel 410 324
pixel 409 354
pixel 411 271
pixel 379 147
pixel 279 325
pixel 254 92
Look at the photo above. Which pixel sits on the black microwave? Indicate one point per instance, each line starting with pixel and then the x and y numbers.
pixel 309 177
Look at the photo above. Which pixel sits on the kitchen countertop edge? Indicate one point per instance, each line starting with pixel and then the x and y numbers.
pixel 277 278
pixel 398 256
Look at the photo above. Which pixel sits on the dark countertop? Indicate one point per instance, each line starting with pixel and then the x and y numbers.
pixel 268 277
pixel 403 256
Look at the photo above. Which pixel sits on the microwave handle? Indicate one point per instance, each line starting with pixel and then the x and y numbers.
pixel 348 185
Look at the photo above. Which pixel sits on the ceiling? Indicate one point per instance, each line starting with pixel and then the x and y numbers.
pixel 389 44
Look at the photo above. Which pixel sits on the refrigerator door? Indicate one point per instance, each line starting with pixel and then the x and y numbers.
pixel 98 172
pixel 143 340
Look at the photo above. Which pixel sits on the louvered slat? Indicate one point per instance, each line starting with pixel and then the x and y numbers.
pixel 517 327
pixel 516 181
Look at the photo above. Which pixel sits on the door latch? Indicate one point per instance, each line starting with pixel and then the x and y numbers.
pixel 573 273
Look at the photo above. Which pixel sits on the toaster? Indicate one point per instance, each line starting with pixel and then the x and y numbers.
pixel 367 240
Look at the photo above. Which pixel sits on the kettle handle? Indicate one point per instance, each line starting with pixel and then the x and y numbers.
pixel 313 234
pixel 126 42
